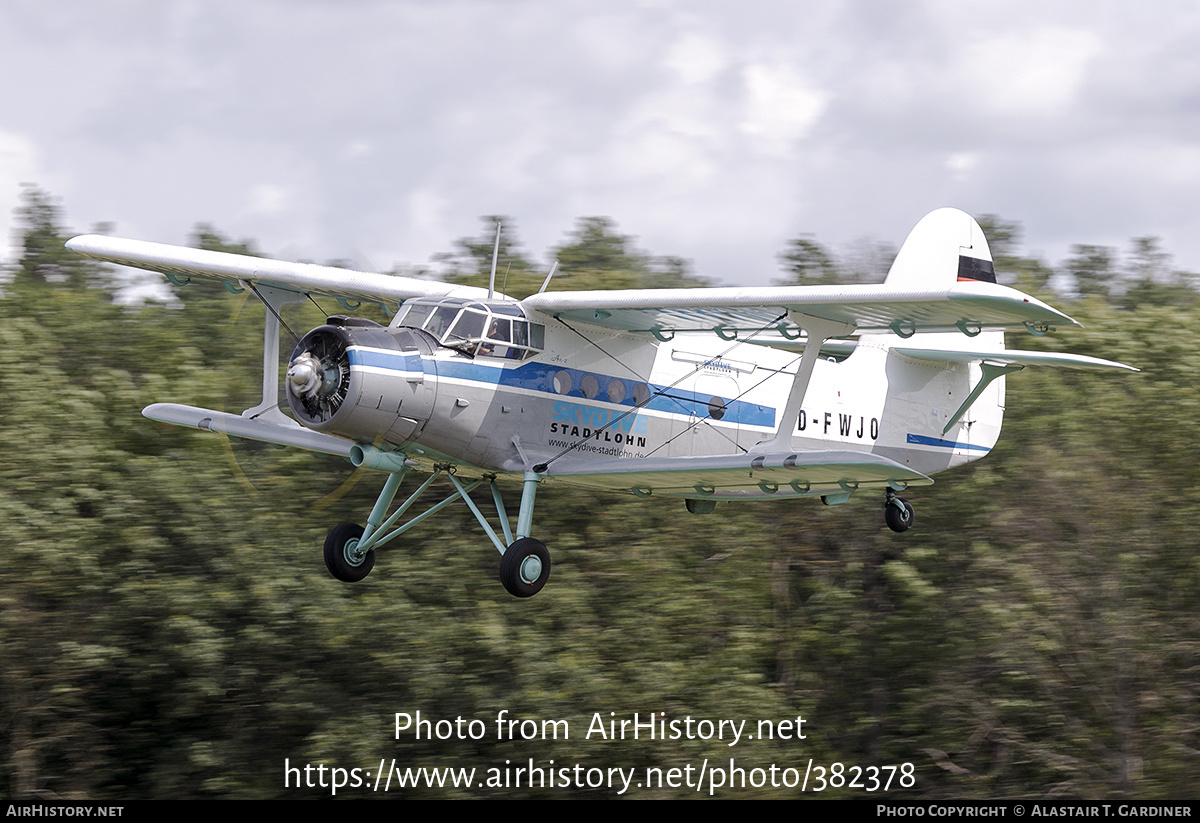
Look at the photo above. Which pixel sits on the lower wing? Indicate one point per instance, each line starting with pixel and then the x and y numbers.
pixel 743 476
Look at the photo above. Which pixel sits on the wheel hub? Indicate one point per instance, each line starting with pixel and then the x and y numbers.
pixel 353 556
pixel 531 568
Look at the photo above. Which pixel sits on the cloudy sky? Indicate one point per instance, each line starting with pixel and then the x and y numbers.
pixel 381 130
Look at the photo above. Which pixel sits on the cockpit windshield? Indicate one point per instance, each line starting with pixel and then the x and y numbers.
pixel 478 328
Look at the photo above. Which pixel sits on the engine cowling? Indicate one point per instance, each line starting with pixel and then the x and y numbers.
pixel 357 379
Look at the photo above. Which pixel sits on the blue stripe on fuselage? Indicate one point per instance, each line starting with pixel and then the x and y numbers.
pixel 378 359
pixel 539 377
pixel 392 360
pixel 923 440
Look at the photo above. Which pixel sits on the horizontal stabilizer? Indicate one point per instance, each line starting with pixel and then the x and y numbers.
pixel 746 475
pixel 236 426
pixel 1013 357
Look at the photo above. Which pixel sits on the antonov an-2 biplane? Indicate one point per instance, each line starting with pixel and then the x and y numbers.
pixel 708 394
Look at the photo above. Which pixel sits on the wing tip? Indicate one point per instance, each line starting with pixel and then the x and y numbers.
pixel 81 243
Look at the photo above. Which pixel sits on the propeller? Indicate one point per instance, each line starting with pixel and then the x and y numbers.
pixel 319 376
pixel 321 379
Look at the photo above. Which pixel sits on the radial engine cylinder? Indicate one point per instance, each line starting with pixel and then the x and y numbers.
pixel 357 379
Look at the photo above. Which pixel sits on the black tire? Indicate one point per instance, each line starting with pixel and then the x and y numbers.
pixel 518 566
pixel 339 554
pixel 899 520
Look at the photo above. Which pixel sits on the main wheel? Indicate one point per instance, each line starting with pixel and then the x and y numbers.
pixel 899 519
pixel 525 567
pixel 342 557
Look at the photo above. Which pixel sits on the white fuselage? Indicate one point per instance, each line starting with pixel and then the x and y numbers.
pixel 596 394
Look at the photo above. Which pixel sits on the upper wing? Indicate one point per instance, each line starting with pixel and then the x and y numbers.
pixel 179 264
pixel 727 311
pixel 967 306
pixel 735 476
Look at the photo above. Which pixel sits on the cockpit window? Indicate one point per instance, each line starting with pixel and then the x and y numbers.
pixel 440 321
pixel 479 328
pixel 417 315
pixel 468 326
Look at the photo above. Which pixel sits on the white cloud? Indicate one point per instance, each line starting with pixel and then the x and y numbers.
pixel 696 59
pixel 267 199
pixel 1027 74
pixel 961 164
pixel 781 107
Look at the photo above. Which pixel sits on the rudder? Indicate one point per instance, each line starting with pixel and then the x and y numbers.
pixel 945 247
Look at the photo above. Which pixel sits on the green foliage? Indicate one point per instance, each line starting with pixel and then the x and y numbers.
pixel 471 261
pixel 206 236
pixel 1004 240
pixel 595 256
pixel 44 261
pixel 168 630
pixel 808 263
pixel 1152 280
pixel 1093 269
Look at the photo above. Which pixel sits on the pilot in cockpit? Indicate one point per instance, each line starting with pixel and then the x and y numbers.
pixel 497 332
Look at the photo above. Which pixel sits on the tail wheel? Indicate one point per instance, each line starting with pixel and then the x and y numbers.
pixel 899 514
pixel 342 557
pixel 525 567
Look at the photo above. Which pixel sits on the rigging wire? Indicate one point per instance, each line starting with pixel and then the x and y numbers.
pixel 542 467
pixel 272 310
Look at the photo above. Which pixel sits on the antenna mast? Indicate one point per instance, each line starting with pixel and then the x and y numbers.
pixel 553 269
pixel 495 254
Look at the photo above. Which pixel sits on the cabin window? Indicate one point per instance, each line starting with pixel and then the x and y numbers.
pixel 495 342
pixel 520 332
pixel 641 394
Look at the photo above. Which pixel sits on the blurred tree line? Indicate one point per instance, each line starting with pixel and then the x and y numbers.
pixel 168 629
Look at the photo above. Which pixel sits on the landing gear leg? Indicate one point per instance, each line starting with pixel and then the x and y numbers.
pixel 524 562
pixel 525 565
pixel 898 512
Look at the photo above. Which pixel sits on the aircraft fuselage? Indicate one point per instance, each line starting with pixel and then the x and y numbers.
pixel 595 394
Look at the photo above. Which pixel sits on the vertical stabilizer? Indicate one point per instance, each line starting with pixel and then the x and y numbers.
pixel 941 411
pixel 945 247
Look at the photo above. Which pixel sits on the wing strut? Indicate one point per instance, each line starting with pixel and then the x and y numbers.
pixel 818 330
pixel 264 422
pixel 268 410
pixel 990 372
